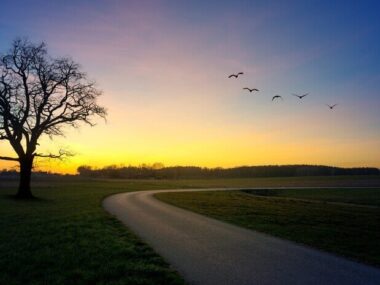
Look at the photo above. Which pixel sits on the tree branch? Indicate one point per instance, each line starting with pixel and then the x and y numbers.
pixel 61 155
pixel 9 158
pixel 40 95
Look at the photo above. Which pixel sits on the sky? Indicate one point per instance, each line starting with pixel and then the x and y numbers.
pixel 163 68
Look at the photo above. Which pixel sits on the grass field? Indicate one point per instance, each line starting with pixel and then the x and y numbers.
pixel 367 197
pixel 65 236
pixel 300 215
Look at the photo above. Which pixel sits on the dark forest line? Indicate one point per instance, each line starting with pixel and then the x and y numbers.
pixel 194 172
pixel 157 171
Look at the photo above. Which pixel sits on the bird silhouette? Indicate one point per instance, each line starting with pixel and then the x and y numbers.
pixel 236 75
pixel 250 90
pixel 277 97
pixel 331 106
pixel 300 96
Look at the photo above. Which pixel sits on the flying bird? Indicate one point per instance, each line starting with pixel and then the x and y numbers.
pixel 250 90
pixel 277 97
pixel 331 106
pixel 300 96
pixel 236 75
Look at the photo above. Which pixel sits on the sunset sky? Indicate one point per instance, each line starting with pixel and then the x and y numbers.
pixel 163 67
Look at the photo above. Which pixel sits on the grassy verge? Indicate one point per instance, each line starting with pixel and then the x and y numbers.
pixel 65 237
pixel 347 230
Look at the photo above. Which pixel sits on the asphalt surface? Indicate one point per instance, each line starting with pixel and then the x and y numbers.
pixel 207 251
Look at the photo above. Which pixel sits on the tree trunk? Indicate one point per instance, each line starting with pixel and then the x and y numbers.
pixel 24 191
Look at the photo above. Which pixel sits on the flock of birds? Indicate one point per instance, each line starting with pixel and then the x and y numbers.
pixel 275 97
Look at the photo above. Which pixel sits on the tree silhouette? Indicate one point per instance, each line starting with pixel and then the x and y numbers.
pixel 40 95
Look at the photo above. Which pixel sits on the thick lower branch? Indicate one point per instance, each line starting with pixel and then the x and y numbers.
pixel 9 158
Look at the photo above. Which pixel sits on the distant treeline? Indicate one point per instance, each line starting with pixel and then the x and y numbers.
pixel 193 172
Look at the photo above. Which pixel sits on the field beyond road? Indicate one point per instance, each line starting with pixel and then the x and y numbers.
pixel 341 221
pixel 65 236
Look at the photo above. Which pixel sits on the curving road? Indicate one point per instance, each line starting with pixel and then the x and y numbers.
pixel 207 251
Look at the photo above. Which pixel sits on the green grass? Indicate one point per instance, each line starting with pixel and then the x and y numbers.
pixel 65 236
pixel 343 229
pixel 368 196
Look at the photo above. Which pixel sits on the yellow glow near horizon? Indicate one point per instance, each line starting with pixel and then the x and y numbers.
pixel 210 145
pixel 197 130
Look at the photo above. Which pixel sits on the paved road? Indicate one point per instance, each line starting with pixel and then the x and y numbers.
pixel 207 251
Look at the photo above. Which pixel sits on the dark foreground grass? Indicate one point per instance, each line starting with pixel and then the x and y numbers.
pixel 346 230
pixel 65 236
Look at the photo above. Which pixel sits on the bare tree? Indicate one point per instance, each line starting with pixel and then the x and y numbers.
pixel 40 95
